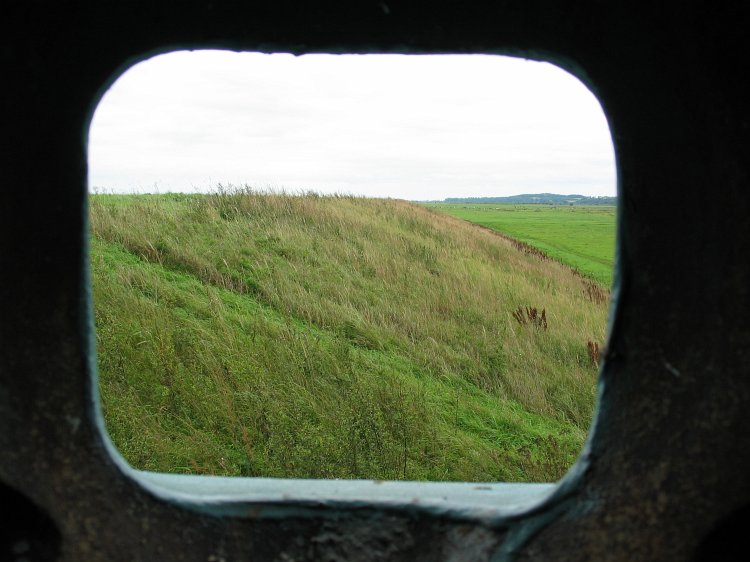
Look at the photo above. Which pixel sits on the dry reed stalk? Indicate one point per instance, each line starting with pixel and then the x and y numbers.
pixel 531 315
pixel 594 355
pixel 595 293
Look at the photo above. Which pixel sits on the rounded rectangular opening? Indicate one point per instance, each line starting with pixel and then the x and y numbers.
pixel 278 295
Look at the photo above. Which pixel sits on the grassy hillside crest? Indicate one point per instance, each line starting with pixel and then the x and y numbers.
pixel 334 337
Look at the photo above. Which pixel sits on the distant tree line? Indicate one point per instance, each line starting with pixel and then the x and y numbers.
pixel 537 198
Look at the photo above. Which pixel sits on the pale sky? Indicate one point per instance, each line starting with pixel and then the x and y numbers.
pixel 405 126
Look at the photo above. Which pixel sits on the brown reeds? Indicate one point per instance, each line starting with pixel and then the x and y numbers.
pixel 593 350
pixel 531 316
pixel 595 293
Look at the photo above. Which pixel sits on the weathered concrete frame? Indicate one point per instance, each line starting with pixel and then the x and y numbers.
pixel 668 456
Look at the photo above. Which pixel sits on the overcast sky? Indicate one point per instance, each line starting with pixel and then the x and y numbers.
pixel 412 127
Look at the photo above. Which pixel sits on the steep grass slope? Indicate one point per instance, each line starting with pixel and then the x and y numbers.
pixel 334 337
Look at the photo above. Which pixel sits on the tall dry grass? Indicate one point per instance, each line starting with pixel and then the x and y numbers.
pixel 285 335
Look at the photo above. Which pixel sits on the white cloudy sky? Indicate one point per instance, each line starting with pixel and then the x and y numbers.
pixel 413 127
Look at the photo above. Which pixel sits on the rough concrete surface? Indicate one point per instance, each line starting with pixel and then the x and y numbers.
pixel 665 473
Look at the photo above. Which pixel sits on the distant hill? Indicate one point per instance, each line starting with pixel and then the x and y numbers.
pixel 537 198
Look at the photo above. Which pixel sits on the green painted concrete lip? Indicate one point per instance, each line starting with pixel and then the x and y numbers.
pixel 279 497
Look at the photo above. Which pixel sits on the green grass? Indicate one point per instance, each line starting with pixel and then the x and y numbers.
pixel 333 337
pixel 582 237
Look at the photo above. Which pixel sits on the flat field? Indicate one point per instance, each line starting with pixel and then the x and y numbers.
pixel 582 237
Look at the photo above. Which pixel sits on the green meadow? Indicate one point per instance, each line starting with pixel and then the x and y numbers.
pixel 255 334
pixel 582 237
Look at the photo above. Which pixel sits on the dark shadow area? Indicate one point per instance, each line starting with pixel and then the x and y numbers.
pixel 728 541
pixel 27 534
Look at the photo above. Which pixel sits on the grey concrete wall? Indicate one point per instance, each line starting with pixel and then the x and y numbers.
pixel 665 473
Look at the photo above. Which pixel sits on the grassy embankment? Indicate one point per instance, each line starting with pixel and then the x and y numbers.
pixel 334 337
pixel 582 237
